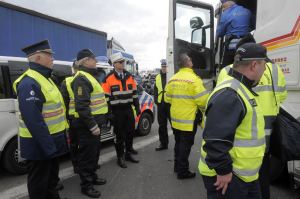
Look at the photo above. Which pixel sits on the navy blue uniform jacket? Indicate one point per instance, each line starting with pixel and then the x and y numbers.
pixel 30 97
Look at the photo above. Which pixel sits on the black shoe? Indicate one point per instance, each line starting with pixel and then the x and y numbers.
pixel 121 163
pixel 59 186
pixel 91 192
pixel 99 181
pixel 132 151
pixel 98 166
pixel 129 158
pixel 161 147
pixel 186 175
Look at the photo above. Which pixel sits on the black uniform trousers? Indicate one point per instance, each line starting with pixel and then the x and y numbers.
pixel 87 155
pixel 124 127
pixel 42 179
pixel 264 177
pixel 163 116
pixel 184 140
pixel 237 189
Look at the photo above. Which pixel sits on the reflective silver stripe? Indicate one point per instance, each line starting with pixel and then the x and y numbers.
pixel 56 121
pixel 262 88
pixel 269 88
pixel 52 107
pixel 180 96
pixel 268 132
pixel 201 94
pixel 121 101
pixel 225 82
pixel 94 109
pixel 254 129
pixel 245 172
pixel 97 96
pixel 182 121
pixel 122 92
pixel 135 96
pixel 50 122
pixel 249 143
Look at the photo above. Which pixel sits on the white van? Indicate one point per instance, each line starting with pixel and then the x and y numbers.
pixel 10 69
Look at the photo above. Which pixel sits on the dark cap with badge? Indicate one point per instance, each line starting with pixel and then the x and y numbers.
pixel 85 53
pixel 251 51
pixel 42 46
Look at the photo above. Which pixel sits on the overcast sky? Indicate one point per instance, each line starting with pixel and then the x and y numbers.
pixel 141 26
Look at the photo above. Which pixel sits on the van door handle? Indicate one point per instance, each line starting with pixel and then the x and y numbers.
pixel 13 112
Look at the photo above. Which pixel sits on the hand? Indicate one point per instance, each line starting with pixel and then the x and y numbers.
pixel 96 131
pixel 222 182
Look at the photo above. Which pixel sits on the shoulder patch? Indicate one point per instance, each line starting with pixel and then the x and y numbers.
pixel 79 91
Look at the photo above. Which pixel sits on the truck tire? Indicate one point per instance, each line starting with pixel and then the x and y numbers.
pixel 10 159
pixel 277 168
pixel 144 126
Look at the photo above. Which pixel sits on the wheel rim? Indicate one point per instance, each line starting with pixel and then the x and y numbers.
pixel 145 124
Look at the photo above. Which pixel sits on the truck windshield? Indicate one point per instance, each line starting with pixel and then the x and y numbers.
pixel 183 31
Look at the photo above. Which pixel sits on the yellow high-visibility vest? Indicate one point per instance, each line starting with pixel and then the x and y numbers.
pixel 186 94
pixel 53 112
pixel 98 103
pixel 249 140
pixel 159 87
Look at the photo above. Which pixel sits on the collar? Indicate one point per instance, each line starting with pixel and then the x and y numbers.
pixel 125 73
pixel 43 70
pixel 243 79
pixel 92 71
pixel 163 74
pixel 186 69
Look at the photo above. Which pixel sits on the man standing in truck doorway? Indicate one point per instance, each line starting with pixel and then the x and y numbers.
pixel 234 24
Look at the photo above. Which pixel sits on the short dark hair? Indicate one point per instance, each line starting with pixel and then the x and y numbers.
pixel 182 60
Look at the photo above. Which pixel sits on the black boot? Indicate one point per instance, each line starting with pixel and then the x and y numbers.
pixel 99 181
pixel 133 151
pixel 91 192
pixel 129 158
pixel 161 147
pixel 121 163
pixel 186 175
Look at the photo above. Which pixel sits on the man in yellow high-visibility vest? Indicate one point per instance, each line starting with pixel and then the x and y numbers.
pixel 187 95
pixel 163 109
pixel 42 123
pixel 233 142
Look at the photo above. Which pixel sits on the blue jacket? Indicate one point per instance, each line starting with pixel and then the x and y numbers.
pixel 236 21
pixel 30 97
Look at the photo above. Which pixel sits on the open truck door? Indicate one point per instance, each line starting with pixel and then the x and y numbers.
pixel 191 31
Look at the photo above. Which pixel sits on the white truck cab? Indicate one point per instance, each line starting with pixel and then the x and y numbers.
pixel 192 30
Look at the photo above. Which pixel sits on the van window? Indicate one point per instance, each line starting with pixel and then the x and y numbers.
pixel 1 86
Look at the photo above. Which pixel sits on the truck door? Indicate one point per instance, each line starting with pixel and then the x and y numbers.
pixel 191 30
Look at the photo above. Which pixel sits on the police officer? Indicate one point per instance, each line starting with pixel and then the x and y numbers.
pixel 162 108
pixel 42 122
pixel 68 95
pixel 232 151
pixel 234 24
pixel 271 92
pixel 187 95
pixel 90 114
pixel 121 91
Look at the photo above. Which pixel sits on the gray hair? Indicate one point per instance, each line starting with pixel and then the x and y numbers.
pixel 182 60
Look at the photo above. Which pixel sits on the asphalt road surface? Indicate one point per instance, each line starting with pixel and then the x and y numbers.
pixel 152 178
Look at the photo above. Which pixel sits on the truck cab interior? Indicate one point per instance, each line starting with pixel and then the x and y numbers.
pixel 193 22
